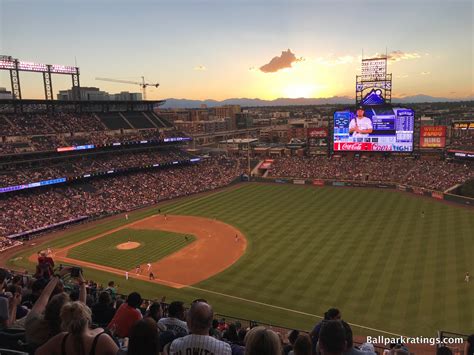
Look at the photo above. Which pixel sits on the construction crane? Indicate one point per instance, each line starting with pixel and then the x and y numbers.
pixel 143 84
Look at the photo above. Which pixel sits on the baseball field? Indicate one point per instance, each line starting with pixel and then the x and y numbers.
pixel 283 254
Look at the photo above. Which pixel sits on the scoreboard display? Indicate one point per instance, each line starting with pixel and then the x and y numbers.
pixel 381 128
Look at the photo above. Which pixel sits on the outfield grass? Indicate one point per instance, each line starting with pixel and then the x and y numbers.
pixel 154 245
pixel 368 252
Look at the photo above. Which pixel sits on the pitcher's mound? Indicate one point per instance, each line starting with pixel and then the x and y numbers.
pixel 128 245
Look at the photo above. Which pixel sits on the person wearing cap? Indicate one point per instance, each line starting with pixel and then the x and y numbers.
pixel 360 126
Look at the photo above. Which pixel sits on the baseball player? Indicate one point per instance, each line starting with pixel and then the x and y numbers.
pixel 236 238
pixel 151 275
pixel 138 270
pixel 126 275
pixel 149 267
pixel 361 126
pixel 467 277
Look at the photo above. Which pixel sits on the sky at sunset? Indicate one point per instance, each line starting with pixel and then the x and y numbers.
pixel 238 48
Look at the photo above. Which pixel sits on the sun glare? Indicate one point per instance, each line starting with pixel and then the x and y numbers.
pixel 299 90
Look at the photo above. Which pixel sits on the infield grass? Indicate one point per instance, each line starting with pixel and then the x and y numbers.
pixel 154 245
pixel 368 252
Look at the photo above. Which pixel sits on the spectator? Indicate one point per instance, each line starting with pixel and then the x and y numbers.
pixel 45 266
pixel 199 321
pixel 444 350
pixel 78 338
pixel 154 311
pixel 469 345
pixel 292 336
pixel 262 341
pixel 111 290
pixel 103 311
pixel 231 334
pixel 143 338
pixel 365 348
pixel 175 320
pixel 43 321
pixel 302 345
pixel 126 316
pixel 350 350
pixel 214 332
pixel 332 338
pixel 331 314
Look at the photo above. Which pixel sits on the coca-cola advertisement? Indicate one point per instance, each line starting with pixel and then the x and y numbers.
pixel 374 128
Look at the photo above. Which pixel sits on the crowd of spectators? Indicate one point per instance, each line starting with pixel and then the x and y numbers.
pixel 462 142
pixel 60 312
pixel 16 174
pixel 40 124
pixel 430 174
pixel 46 132
pixel 40 208
pixel 50 142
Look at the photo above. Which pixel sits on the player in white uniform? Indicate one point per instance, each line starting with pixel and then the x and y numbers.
pixel 149 267
pixel 361 126
pixel 199 321
pixel 467 277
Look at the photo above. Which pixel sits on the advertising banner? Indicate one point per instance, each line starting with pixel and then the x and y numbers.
pixel 433 137
pixel 298 182
pixel 318 182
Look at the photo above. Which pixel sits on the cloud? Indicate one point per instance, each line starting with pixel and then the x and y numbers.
pixel 277 63
pixel 330 61
pixel 425 73
pixel 200 68
pixel 396 56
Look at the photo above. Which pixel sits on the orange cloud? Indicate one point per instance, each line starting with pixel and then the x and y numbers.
pixel 285 60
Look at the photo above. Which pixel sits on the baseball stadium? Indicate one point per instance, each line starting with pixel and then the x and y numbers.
pixel 131 227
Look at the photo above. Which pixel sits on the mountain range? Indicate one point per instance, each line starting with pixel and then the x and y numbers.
pixel 344 100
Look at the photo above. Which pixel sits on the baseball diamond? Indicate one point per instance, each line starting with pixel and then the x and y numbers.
pixel 360 249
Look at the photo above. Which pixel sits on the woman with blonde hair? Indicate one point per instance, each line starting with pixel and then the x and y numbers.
pixel 262 341
pixel 78 338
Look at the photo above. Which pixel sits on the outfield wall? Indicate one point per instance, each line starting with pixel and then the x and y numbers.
pixel 382 185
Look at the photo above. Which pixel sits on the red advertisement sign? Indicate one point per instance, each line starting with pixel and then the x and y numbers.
pixel 433 131
pixel 319 132
pixel 318 182
pixel 437 195
pixel 353 146
pixel 65 149
pixel 433 137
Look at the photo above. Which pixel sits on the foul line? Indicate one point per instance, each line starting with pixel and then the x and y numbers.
pixel 289 310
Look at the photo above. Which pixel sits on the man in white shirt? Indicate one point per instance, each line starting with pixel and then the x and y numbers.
pixel 361 126
pixel 199 342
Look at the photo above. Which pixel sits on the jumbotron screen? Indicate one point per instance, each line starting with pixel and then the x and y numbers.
pixel 376 128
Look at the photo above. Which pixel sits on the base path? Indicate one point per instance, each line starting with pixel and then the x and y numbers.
pixel 217 246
